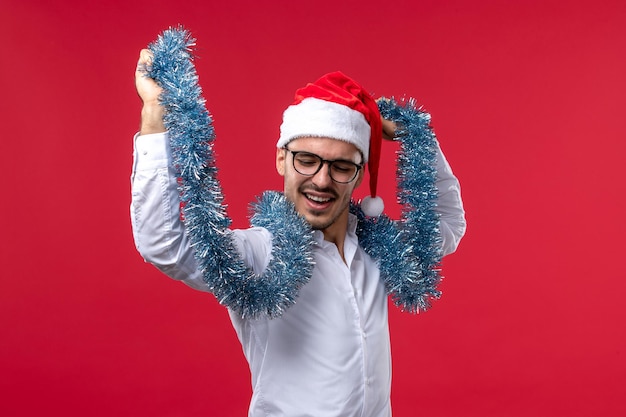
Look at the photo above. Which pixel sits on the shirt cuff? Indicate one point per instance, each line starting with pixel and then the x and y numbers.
pixel 151 151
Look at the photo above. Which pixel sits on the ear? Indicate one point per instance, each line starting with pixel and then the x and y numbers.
pixel 359 178
pixel 281 154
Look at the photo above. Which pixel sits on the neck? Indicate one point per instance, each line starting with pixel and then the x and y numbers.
pixel 336 233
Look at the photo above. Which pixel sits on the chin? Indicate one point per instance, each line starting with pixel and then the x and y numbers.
pixel 318 223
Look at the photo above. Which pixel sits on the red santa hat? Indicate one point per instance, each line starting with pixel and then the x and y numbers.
pixel 336 107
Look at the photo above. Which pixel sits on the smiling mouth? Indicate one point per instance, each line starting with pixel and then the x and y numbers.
pixel 317 199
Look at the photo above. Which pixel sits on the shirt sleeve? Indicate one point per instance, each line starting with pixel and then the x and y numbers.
pixel 158 231
pixel 449 205
pixel 155 212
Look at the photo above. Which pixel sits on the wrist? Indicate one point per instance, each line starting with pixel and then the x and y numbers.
pixel 151 119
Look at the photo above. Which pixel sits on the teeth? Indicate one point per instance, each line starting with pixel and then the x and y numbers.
pixel 317 199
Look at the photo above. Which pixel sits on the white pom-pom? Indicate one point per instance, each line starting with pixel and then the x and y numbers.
pixel 372 207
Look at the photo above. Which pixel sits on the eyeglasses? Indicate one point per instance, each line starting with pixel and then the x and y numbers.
pixel 309 164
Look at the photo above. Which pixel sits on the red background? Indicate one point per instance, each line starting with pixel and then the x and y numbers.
pixel 527 100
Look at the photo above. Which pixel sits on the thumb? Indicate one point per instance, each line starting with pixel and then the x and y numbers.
pixel 145 60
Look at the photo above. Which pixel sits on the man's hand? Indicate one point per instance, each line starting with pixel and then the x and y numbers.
pixel 389 129
pixel 149 91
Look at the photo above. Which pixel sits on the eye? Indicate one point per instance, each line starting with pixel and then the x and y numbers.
pixel 307 160
pixel 343 167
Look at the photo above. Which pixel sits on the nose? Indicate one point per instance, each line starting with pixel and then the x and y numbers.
pixel 322 177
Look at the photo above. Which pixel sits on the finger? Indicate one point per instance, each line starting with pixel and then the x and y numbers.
pixel 146 56
pixel 389 129
pixel 145 60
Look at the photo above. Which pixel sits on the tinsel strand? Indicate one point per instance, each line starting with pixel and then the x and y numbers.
pixel 191 139
pixel 409 250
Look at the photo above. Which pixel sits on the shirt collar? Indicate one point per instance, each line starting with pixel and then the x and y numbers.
pixel 353 222
pixel 350 244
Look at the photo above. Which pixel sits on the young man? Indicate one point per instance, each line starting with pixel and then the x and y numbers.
pixel 329 353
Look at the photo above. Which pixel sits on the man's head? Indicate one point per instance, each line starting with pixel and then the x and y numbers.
pixel 327 135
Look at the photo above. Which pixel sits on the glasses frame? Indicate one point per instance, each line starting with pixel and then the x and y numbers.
pixel 321 164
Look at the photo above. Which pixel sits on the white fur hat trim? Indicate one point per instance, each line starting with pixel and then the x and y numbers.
pixel 313 117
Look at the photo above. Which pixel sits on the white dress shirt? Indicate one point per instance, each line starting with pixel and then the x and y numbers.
pixel 327 355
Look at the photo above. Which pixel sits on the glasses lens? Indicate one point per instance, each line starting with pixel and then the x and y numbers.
pixel 343 171
pixel 306 163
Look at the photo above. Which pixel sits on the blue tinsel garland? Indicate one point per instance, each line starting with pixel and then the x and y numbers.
pixel 191 140
pixel 408 251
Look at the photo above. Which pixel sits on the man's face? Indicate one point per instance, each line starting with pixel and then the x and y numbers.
pixel 323 202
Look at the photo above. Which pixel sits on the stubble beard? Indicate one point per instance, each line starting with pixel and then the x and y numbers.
pixel 313 216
